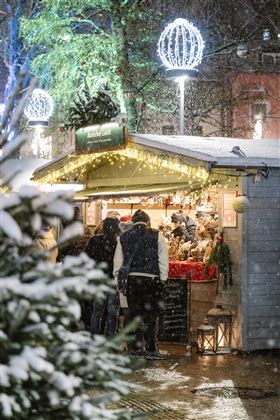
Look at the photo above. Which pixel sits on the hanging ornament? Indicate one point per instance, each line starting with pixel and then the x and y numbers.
pixel 177 199
pixel 240 203
pixel 167 201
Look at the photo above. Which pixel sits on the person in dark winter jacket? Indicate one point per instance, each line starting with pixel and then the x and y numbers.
pixel 78 245
pixel 101 248
pixel 142 255
pixel 75 248
pixel 184 226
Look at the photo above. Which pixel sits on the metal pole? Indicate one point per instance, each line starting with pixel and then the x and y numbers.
pixel 38 147
pixel 181 82
pixel 37 138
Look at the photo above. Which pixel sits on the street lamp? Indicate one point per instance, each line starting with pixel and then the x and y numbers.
pixel 180 48
pixel 38 111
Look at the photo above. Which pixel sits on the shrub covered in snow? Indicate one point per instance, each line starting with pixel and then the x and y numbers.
pixel 48 371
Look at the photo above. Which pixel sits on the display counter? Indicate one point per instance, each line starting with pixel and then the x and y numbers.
pixel 191 270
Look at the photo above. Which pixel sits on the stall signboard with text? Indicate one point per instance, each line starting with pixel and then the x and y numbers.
pixel 99 138
pixel 173 318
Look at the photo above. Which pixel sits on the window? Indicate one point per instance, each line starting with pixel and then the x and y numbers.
pixel 168 130
pixel 270 59
pixel 258 111
pixel 266 35
pixel 229 215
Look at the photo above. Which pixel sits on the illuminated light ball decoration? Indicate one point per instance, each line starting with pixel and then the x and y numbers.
pixel 39 108
pixel 180 45
pixel 38 111
pixel 180 48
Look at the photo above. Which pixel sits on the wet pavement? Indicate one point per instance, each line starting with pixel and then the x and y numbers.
pixel 246 386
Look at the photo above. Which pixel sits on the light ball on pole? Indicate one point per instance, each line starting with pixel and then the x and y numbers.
pixel 38 111
pixel 180 48
pixel 39 108
pixel 180 45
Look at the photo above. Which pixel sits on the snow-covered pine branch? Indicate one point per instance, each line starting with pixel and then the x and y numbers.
pixel 47 370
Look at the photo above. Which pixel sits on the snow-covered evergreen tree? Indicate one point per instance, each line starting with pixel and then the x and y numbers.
pixel 48 371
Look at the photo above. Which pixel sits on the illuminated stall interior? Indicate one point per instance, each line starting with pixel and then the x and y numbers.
pixel 160 182
pixel 163 174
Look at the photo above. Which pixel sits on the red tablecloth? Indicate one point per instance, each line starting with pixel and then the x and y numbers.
pixel 193 270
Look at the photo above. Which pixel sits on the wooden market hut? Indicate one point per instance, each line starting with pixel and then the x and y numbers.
pixel 151 164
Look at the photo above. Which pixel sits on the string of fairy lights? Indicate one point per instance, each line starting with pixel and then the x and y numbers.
pixel 78 167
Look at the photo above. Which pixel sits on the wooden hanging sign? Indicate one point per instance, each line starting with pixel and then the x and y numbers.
pixel 100 138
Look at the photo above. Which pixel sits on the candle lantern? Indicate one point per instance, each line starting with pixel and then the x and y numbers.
pixel 206 338
pixel 221 320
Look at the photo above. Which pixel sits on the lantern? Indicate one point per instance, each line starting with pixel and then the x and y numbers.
pixel 206 338
pixel 220 319
pixel 240 203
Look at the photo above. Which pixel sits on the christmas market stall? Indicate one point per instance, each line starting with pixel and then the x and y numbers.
pixel 228 190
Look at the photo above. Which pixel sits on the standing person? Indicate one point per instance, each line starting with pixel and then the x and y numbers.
pixel 46 243
pixel 184 226
pixel 101 248
pixel 75 248
pixel 142 253
pixel 114 214
pixel 125 223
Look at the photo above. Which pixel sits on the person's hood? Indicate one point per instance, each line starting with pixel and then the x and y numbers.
pixel 46 234
pixel 124 226
pixel 140 216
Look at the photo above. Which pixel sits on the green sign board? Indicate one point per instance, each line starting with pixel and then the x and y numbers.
pixel 96 138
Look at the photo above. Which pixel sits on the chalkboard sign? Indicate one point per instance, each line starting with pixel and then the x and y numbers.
pixel 173 317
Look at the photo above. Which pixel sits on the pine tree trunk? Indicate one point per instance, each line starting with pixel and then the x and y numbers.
pixel 15 46
pixel 128 90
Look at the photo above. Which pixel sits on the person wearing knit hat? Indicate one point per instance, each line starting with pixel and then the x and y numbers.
pixel 183 226
pixel 141 268
pixel 126 218
pixel 125 223
pixel 141 216
pixel 114 214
